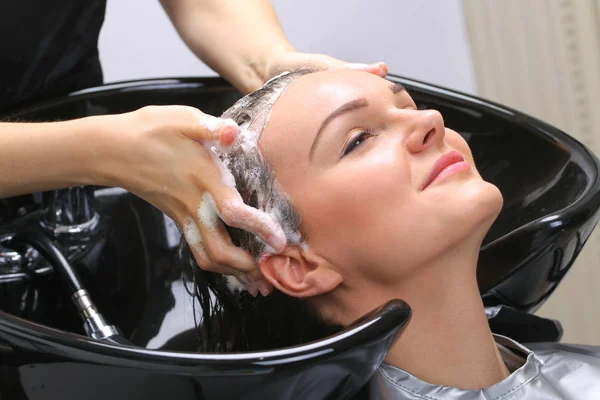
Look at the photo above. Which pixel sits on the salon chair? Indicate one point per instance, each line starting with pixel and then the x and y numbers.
pixel 138 339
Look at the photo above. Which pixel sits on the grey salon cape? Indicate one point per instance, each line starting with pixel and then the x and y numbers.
pixel 545 371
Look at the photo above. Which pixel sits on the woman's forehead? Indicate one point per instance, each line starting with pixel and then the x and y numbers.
pixel 300 110
pixel 332 87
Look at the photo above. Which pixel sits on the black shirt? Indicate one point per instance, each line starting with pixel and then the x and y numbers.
pixel 47 48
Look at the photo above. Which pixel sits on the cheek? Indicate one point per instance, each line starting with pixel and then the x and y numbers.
pixel 357 194
pixel 457 142
pixel 350 212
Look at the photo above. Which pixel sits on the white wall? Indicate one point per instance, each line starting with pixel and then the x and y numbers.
pixel 423 40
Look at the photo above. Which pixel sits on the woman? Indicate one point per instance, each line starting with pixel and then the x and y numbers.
pixel 378 200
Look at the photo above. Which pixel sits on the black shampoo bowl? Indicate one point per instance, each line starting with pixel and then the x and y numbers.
pixel 550 185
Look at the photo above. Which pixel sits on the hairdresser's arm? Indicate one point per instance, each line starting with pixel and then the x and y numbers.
pixel 243 41
pixel 99 150
pixel 156 153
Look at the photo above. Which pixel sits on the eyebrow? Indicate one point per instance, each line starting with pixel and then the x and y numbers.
pixel 353 105
pixel 350 106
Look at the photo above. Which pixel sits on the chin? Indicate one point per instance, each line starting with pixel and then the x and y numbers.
pixel 469 208
pixel 483 201
pixel 491 199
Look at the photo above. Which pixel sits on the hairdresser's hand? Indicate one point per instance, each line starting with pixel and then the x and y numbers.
pixel 160 155
pixel 281 60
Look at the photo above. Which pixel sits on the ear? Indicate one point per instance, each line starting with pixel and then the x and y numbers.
pixel 299 273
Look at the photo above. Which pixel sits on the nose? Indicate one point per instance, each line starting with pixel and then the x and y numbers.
pixel 426 129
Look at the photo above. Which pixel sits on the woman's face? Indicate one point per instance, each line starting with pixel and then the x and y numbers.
pixel 356 158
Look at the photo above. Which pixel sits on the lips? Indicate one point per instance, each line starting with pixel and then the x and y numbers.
pixel 442 163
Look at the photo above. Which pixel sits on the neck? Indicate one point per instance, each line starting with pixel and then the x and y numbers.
pixel 448 340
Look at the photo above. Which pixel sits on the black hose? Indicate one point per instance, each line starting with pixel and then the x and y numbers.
pixel 44 245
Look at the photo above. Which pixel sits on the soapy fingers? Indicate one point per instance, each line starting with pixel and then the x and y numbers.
pixel 193 123
pixel 217 254
pixel 218 248
pixel 235 213
pixel 165 157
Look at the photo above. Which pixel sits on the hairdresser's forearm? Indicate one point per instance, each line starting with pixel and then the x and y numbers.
pixel 43 156
pixel 234 37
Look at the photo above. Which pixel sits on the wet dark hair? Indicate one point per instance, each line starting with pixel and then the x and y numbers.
pixel 233 320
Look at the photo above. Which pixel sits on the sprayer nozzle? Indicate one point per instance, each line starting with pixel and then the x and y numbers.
pixel 93 322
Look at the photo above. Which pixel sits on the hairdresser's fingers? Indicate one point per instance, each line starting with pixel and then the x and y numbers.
pixel 210 266
pixel 244 278
pixel 379 68
pixel 213 129
pixel 235 213
pixel 216 130
pixel 222 251
pixel 217 243
pixel 195 124
pixel 250 269
pixel 325 62
pixel 251 280
pixel 195 240
pixel 192 236
pixel 282 61
pixel 263 285
pixel 224 201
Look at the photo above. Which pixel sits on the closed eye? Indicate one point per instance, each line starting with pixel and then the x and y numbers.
pixel 356 141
